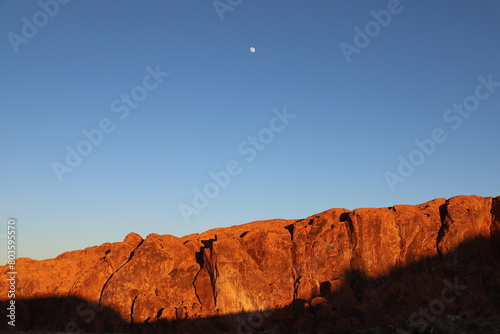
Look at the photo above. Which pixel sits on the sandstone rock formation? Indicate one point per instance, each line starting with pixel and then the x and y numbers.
pixel 403 265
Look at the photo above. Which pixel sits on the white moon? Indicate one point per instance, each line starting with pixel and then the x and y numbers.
pixel 252 49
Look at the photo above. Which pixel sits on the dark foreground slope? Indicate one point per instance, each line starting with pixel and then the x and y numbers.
pixel 407 266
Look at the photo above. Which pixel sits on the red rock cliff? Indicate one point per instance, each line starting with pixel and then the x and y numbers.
pixel 336 269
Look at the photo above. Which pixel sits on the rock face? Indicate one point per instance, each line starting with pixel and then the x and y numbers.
pixel 404 265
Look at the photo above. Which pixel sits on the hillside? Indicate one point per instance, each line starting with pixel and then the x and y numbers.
pixel 405 266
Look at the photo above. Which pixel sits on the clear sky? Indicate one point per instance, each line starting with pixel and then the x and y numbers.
pixel 325 113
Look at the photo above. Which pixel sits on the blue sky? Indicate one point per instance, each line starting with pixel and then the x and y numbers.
pixel 352 116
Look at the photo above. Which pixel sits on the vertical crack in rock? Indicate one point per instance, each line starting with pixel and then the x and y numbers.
pixel 213 273
pixel 132 310
pixel 290 229
pixel 443 212
pixel 206 264
pixel 70 291
pixel 354 275
pixel 199 259
pixel 347 220
pixel 214 277
pixel 120 267
pixel 91 269
pixel 294 272
pixel 401 242
pixel 296 286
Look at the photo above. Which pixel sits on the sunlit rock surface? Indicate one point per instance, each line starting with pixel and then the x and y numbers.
pixel 405 266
